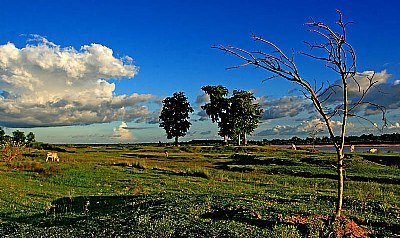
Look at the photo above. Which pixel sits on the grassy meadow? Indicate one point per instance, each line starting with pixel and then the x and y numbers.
pixel 198 191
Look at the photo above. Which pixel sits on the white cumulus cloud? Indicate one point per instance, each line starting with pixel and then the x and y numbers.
pixel 43 84
pixel 122 132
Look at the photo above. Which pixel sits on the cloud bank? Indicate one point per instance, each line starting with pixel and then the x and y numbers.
pixel 304 128
pixel 287 106
pixel 383 93
pixel 44 85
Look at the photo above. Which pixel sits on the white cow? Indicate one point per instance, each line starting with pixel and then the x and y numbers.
pixel 294 147
pixel 53 156
pixel 373 150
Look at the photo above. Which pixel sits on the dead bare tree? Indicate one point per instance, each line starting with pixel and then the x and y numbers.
pixel 339 56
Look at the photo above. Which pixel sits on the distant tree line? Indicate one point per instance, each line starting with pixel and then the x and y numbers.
pixel 393 138
pixel 236 116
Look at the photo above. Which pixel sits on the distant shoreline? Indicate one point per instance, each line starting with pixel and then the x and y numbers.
pixel 347 145
pixel 359 145
pixel 359 148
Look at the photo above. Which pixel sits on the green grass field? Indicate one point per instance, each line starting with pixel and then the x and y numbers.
pixel 254 191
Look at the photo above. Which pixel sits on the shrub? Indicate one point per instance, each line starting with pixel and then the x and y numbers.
pixel 285 231
pixel 41 146
pixel 196 173
pixel 138 165
pixel 11 150
pixel 36 167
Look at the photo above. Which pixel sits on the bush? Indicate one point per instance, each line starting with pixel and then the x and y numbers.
pixel 285 231
pixel 28 166
pixel 36 167
pixel 11 150
pixel 41 146
pixel 196 173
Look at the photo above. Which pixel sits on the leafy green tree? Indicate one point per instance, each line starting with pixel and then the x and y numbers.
pixel 174 116
pixel 245 115
pixel 218 108
pixel 19 137
pixel 30 138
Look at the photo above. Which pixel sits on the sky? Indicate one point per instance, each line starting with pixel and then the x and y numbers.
pixel 97 71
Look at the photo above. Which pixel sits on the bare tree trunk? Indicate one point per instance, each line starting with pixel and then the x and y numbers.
pixel 238 138
pixel 340 170
pixel 176 140
pixel 341 145
pixel 245 139
pixel 225 139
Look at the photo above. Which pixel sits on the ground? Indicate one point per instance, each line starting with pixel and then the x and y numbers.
pixel 198 191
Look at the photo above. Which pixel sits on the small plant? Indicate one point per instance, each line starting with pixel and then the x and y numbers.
pixel 285 231
pixel 196 173
pixel 221 177
pixel 86 207
pixel 49 171
pixel 47 207
pixel 36 167
pixel 71 194
pixel 138 165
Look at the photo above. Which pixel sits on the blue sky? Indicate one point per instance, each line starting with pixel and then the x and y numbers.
pixel 96 71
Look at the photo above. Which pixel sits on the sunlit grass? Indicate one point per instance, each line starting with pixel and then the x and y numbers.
pixel 196 191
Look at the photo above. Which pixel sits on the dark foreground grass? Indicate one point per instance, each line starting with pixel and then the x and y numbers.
pixel 134 191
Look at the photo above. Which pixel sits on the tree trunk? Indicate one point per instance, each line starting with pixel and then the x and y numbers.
pixel 245 139
pixel 238 138
pixel 225 139
pixel 341 173
pixel 340 167
pixel 176 140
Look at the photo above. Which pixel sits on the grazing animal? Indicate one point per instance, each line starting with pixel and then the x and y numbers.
pixel 294 147
pixel 373 150
pixel 53 156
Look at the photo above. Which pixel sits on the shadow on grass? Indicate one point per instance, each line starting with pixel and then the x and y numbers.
pixel 132 215
pixel 249 159
pixel 68 211
pixel 241 163
pixel 185 173
pixel 390 160
pixel 129 214
pixel 239 215
pixel 143 156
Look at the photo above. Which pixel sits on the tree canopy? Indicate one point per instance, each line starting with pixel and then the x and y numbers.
pixel 218 108
pixel 19 136
pixel 236 116
pixel 174 117
pixel 245 115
